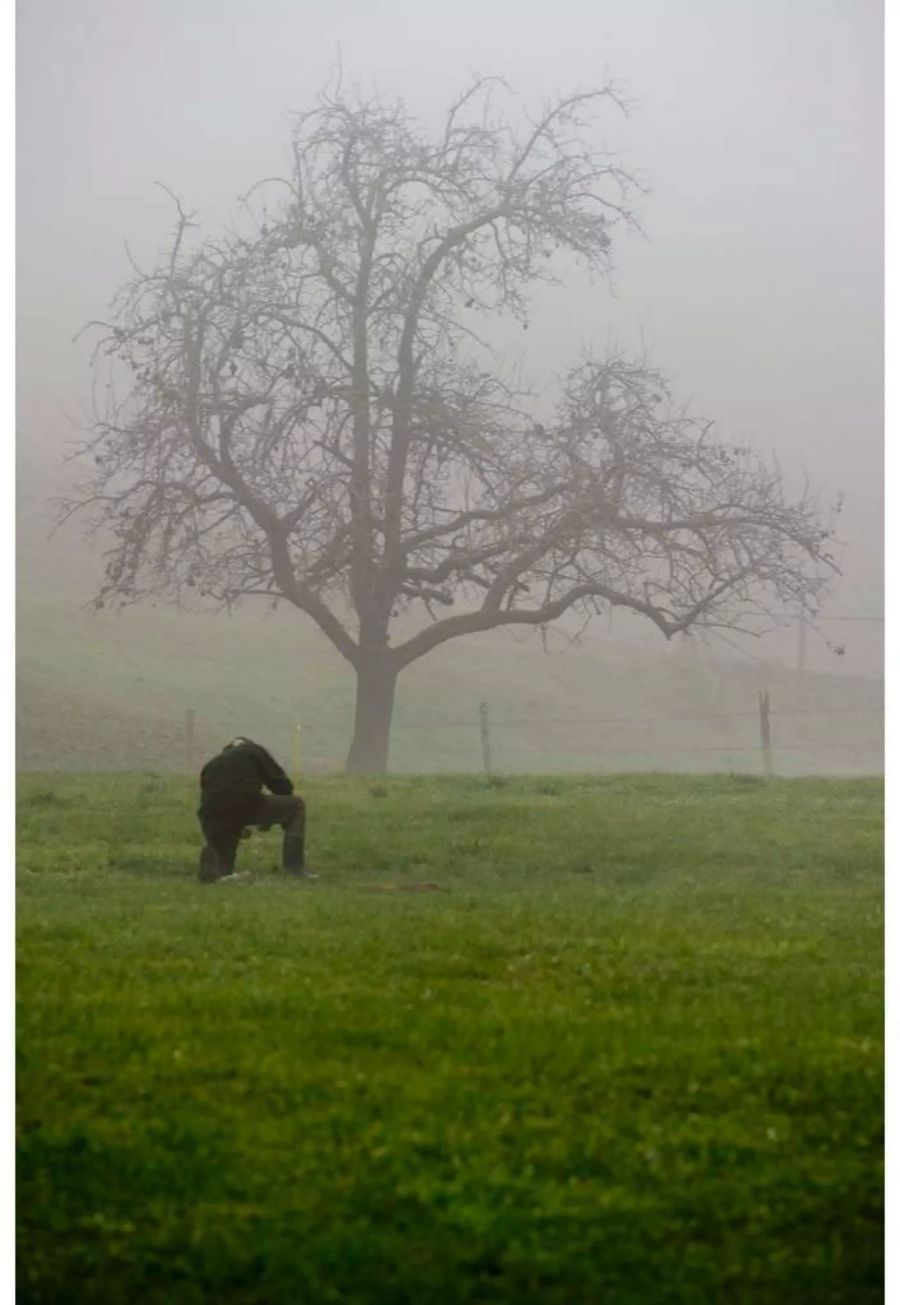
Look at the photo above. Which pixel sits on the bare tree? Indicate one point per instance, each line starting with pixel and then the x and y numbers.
pixel 302 408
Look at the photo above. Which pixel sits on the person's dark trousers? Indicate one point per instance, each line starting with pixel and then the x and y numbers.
pixel 290 813
pixel 218 857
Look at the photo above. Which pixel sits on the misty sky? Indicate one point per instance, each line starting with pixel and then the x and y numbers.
pixel 758 124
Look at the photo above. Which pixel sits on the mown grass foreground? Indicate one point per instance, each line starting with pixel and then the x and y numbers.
pixel 628 1050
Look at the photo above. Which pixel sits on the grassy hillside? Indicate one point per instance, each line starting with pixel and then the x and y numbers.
pixel 628 1049
pixel 103 692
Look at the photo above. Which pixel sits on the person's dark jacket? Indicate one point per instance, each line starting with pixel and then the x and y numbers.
pixel 231 784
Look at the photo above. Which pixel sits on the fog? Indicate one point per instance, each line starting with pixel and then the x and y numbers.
pixel 757 287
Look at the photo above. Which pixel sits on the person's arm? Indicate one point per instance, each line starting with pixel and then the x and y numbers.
pixel 274 778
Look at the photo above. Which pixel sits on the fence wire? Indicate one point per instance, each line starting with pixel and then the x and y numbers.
pixel 516 742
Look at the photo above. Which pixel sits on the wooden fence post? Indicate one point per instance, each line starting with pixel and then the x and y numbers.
pixel 485 738
pixel 190 745
pixel 765 732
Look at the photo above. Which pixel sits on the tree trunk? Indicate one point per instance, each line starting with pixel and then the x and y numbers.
pixel 375 685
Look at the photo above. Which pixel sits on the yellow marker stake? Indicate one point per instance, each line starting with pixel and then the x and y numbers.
pixel 297 752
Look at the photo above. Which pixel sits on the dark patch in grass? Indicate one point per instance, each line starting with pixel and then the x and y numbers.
pixel 427 887
pixel 631 874
pixel 549 788
pixel 150 867
pixel 44 799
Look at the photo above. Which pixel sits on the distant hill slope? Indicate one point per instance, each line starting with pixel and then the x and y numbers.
pixel 104 692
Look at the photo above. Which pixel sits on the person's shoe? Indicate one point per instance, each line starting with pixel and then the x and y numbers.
pixel 301 874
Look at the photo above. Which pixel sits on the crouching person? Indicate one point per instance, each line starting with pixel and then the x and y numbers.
pixel 232 799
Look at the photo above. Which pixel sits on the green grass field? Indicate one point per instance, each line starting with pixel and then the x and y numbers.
pixel 631 1051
